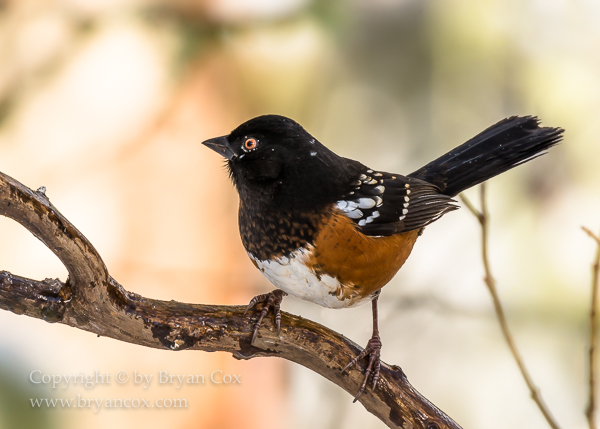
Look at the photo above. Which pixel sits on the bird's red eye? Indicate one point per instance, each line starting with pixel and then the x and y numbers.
pixel 250 144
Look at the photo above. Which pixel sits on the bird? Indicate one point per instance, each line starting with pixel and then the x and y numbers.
pixel 332 231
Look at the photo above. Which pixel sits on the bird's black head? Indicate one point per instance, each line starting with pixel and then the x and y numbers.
pixel 273 160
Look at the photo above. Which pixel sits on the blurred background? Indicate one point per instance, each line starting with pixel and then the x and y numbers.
pixel 105 103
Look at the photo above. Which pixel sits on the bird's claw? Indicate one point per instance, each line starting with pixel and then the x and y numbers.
pixel 373 350
pixel 271 299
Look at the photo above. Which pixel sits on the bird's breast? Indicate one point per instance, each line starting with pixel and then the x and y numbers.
pixel 333 264
pixel 296 275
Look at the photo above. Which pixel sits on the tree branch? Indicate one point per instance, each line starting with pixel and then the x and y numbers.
pixel 93 301
pixel 483 218
pixel 590 411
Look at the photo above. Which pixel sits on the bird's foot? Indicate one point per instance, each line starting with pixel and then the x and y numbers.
pixel 373 351
pixel 271 299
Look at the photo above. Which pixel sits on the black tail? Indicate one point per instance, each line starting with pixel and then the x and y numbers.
pixel 502 146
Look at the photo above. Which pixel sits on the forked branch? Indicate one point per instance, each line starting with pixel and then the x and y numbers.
pixel 93 301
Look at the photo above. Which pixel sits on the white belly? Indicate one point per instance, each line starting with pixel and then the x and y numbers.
pixel 292 275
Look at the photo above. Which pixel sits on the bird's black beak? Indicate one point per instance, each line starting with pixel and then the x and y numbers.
pixel 221 146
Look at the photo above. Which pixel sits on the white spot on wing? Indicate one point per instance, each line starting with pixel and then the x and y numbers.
pixel 354 214
pixel 366 203
pixel 347 206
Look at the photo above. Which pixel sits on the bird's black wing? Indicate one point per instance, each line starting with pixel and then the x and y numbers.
pixel 383 204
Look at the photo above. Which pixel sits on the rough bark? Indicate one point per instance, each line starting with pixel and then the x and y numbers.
pixel 93 301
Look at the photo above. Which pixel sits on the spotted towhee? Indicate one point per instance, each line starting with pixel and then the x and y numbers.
pixel 332 231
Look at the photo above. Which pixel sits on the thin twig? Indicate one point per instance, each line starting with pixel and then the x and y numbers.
pixel 483 218
pixel 590 411
pixel 592 235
